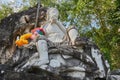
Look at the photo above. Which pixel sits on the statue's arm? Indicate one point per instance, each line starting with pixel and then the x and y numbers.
pixel 60 25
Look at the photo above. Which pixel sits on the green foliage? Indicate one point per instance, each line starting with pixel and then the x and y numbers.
pixel 5 11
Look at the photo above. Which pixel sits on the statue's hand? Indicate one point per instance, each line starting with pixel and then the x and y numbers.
pixel 54 20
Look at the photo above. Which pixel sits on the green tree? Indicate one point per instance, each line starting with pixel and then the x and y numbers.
pixel 5 11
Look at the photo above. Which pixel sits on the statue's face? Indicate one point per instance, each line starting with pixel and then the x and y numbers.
pixel 52 13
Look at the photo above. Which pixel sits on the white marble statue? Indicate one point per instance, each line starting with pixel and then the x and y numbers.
pixel 56 33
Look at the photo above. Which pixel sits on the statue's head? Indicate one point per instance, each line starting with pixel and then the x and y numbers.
pixel 52 13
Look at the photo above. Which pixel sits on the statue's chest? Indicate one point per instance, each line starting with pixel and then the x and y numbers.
pixel 53 28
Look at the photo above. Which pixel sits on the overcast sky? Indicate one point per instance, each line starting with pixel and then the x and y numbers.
pixel 6 1
pixel 15 4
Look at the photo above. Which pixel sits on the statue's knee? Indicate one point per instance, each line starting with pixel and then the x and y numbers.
pixel 73 33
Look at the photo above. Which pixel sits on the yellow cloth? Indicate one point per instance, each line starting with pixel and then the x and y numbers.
pixel 23 39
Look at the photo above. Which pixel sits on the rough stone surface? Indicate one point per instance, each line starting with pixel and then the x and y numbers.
pixel 114 75
pixel 81 62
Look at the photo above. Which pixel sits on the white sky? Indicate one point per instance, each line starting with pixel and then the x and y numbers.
pixel 10 0
pixel 6 1
pixel 15 4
